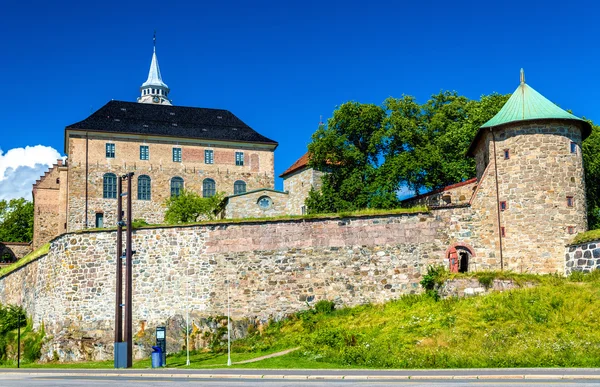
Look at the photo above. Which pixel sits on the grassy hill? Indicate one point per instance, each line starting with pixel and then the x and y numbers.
pixel 553 324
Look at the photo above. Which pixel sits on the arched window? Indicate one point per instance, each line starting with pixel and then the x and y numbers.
pixel 208 188
pixel 239 187
pixel 144 190
pixel 176 186
pixel 109 186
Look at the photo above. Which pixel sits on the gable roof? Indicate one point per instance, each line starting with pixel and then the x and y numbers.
pixel 171 121
pixel 299 164
pixel 526 104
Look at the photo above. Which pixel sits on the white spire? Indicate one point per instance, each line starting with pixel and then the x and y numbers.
pixel 154 90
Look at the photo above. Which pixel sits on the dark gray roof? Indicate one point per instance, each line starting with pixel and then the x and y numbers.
pixel 172 121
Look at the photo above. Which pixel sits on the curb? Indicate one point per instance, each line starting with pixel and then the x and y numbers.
pixel 309 377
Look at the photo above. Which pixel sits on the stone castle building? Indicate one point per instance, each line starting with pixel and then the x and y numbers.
pixel 518 213
pixel 524 205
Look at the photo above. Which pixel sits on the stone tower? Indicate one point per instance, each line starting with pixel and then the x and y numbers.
pixel 154 90
pixel 531 193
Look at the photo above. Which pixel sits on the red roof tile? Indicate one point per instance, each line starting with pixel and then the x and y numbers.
pixel 299 164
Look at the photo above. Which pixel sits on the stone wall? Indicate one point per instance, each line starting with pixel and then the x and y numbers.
pixel 299 184
pixel 257 172
pixel 471 286
pixel 275 267
pixel 247 205
pixel 49 203
pixel 534 182
pixel 583 257
pixel 459 193
pixel 12 251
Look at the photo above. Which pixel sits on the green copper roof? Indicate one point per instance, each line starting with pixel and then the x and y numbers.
pixel 527 104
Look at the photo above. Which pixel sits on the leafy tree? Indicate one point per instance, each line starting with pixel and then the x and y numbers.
pixel 189 207
pixel 351 149
pixel 16 220
pixel 427 143
pixel 591 162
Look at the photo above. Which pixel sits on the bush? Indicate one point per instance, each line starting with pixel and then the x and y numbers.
pixel 324 306
pixel 435 276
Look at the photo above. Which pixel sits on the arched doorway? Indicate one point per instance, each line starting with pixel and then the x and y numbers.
pixel 6 254
pixel 459 257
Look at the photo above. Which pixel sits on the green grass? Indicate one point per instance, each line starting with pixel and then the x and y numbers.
pixel 43 250
pixel 359 213
pixel 588 236
pixel 553 324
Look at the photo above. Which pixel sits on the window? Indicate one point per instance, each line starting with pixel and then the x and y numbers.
pixel 144 190
pixel 99 220
pixel 573 147
pixel 109 186
pixel 239 158
pixel 239 187
pixel 503 206
pixel 571 230
pixel 144 152
pixel 110 151
pixel 506 154
pixel 569 201
pixel 177 155
pixel 176 186
pixel 265 202
pixel 303 209
pixel 502 232
pixel 208 188
pixel 208 156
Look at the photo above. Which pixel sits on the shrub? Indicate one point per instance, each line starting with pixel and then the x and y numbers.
pixel 325 306
pixel 435 276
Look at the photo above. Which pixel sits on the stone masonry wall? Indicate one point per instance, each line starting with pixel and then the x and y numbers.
pixel 49 205
pixel 299 184
pixel 246 205
pixel 274 267
pixel 535 181
pixel 12 251
pixel 583 257
pixel 257 172
pixel 455 194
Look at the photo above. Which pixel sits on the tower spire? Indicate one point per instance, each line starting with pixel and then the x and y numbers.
pixel 154 90
pixel 522 75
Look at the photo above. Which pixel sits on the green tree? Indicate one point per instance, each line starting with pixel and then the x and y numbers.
pixel 427 143
pixel 591 163
pixel 16 220
pixel 350 148
pixel 189 207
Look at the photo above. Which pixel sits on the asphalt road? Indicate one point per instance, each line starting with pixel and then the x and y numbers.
pixel 288 378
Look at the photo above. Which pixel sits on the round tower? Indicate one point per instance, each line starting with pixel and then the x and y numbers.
pixel 531 194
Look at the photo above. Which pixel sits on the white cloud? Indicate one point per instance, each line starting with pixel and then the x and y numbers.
pixel 21 167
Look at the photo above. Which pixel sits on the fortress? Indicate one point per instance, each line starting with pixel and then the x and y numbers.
pixel 520 211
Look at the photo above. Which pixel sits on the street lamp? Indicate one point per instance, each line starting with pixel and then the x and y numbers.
pixel 228 325
pixel 187 321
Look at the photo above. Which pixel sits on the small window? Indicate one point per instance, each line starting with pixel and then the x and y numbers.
pixel 502 232
pixel 208 156
pixel 144 152
pixel 239 158
pixel 571 230
pixel 573 147
pixel 109 186
pixel 177 155
pixel 176 186
pixel 99 220
pixel 569 201
pixel 144 190
pixel 110 151
pixel 303 209
pixel 239 187
pixel 265 202
pixel 208 188
pixel 506 154
pixel 503 206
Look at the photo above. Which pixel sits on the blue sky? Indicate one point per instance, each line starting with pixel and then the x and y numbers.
pixel 278 65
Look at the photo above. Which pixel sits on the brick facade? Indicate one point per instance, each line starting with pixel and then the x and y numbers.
pixel 257 172
pixel 50 204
